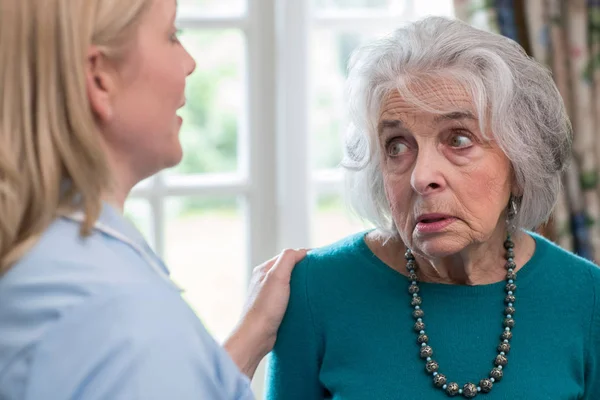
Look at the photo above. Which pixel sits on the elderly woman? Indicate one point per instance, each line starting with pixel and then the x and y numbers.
pixel 456 153
pixel 89 93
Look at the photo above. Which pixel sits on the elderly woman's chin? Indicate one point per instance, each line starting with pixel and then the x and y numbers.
pixel 451 241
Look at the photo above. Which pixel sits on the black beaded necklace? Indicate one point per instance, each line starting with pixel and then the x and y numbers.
pixel 469 390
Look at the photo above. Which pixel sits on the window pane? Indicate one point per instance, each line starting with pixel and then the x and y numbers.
pixel 333 220
pixel 212 7
pixel 390 5
pixel 206 253
pixel 444 8
pixel 215 95
pixel 330 52
pixel 139 212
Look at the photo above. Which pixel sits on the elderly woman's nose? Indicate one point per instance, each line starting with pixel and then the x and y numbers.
pixel 427 174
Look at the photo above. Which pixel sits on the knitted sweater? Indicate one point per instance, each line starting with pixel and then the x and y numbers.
pixel 348 330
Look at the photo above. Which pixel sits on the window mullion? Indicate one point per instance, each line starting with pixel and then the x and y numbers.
pixel 191 21
pixel 260 140
pixel 294 189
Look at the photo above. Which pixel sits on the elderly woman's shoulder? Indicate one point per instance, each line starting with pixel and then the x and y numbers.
pixel 335 257
pixel 550 254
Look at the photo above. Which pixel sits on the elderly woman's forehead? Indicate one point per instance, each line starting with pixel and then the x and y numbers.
pixel 434 96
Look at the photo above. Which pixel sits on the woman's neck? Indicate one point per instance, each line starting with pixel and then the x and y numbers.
pixel 117 202
pixel 478 264
pixel 124 179
pixel 118 193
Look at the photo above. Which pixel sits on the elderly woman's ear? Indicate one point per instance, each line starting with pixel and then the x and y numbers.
pixel 516 189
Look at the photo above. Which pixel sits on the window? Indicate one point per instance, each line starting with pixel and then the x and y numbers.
pixel 262 138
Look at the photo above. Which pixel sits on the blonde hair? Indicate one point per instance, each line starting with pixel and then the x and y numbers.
pixel 50 148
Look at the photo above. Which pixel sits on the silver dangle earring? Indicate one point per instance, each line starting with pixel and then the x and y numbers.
pixel 511 214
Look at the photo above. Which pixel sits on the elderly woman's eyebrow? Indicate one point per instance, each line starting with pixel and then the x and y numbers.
pixel 455 115
pixel 452 116
pixel 389 124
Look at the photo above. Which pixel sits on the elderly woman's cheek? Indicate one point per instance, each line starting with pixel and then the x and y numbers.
pixel 486 191
pixel 399 194
pixel 497 177
pixel 395 166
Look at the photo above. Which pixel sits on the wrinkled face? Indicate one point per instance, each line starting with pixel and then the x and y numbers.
pixel 144 127
pixel 448 188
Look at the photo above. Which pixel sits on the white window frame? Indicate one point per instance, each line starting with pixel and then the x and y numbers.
pixel 256 178
pixel 274 175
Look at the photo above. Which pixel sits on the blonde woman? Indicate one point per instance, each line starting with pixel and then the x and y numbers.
pixel 89 92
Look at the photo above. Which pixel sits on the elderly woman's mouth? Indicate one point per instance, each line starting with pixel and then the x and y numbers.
pixel 431 223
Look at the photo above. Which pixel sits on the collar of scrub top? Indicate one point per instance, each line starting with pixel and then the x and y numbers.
pixel 112 223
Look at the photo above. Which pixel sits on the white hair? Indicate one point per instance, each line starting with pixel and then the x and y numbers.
pixel 514 97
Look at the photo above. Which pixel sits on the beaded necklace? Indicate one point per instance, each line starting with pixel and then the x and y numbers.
pixel 469 390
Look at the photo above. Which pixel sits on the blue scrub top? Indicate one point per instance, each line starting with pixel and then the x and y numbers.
pixel 90 319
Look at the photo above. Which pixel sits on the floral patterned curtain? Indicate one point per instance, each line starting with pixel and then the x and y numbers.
pixel 565 36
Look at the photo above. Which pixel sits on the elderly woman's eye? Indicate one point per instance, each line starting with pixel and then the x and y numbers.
pixel 395 148
pixel 460 140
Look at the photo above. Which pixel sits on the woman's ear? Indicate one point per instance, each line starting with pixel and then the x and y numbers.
pixel 515 189
pixel 100 84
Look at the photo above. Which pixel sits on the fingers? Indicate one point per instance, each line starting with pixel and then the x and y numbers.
pixel 266 266
pixel 283 262
pixel 286 262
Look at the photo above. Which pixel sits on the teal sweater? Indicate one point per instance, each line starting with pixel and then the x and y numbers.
pixel 348 331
